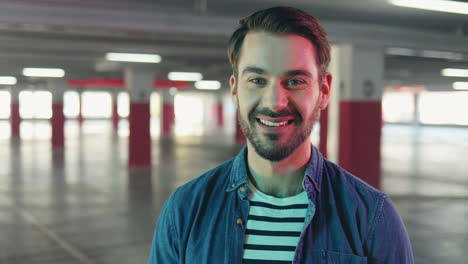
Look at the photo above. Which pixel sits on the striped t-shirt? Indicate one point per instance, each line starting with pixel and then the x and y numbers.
pixel 274 226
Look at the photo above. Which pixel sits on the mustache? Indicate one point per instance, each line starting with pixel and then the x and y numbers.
pixel 270 113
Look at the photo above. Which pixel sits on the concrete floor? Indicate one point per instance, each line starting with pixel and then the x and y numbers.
pixel 82 204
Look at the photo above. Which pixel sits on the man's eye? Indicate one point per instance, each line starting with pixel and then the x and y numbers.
pixel 294 82
pixel 258 81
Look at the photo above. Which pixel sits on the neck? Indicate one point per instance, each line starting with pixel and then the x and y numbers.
pixel 279 178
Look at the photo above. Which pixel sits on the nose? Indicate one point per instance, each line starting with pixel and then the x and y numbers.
pixel 275 96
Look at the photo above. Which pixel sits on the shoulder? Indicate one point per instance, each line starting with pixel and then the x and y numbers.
pixel 359 199
pixel 350 184
pixel 213 181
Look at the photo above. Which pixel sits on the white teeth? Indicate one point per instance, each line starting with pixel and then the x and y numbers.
pixel 268 123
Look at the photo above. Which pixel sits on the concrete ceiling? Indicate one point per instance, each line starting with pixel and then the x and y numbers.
pixel 192 34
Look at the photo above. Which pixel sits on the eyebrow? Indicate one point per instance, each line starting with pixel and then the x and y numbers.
pixel 251 69
pixel 257 70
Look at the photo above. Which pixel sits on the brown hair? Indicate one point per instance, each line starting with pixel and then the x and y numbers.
pixel 282 20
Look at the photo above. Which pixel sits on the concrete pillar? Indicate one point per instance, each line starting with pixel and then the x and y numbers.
pixel 139 83
pixel 329 141
pixel 167 113
pixel 57 88
pixel 416 114
pixel 115 114
pixel 15 118
pixel 80 111
pixel 355 113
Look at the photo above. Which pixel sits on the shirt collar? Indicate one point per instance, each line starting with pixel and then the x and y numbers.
pixel 239 171
pixel 313 173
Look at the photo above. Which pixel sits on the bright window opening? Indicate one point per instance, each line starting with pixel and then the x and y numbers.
pixel 189 114
pixel 96 105
pixel 123 105
pixel 155 104
pixel 35 104
pixel 71 104
pixel 5 108
pixel 444 108
pixel 398 107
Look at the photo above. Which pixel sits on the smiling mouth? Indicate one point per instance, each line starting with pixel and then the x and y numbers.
pixel 274 124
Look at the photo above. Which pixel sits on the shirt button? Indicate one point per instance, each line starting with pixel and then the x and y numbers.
pixel 240 222
pixel 233 185
pixel 243 189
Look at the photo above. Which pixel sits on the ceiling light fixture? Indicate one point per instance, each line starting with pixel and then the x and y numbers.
pixel 185 76
pixel 401 52
pixel 436 54
pixel 43 72
pixel 133 57
pixel 7 80
pixel 450 72
pixel 208 85
pixel 434 5
pixel 460 85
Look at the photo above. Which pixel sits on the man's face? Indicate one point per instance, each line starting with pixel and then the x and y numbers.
pixel 278 92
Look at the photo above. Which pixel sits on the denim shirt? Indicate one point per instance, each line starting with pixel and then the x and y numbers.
pixel 348 221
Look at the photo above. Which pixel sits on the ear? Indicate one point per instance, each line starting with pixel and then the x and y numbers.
pixel 232 84
pixel 325 90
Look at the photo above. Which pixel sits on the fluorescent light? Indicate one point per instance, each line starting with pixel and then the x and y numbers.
pixel 7 80
pixel 450 72
pixel 208 85
pixel 437 54
pixel 401 52
pixel 133 57
pixel 185 76
pixel 460 85
pixel 434 5
pixel 442 55
pixel 43 72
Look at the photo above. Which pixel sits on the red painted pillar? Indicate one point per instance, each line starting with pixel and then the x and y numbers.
pixel 80 109
pixel 220 115
pixel 58 123
pixel 139 82
pixel 360 113
pixel 115 113
pixel 360 137
pixel 139 145
pixel 240 137
pixel 218 111
pixel 168 114
pixel 323 132
pixel 115 116
pixel 15 118
pixel 57 88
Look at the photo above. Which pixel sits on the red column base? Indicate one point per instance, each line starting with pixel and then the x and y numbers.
pixel 58 123
pixel 219 115
pixel 139 143
pixel 15 120
pixel 168 119
pixel 80 119
pixel 359 143
pixel 323 132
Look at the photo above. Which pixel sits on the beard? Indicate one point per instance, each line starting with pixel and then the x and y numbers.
pixel 269 146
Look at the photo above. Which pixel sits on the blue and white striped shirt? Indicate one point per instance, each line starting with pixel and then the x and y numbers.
pixel 274 227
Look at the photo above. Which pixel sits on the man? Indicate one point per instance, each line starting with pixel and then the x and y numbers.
pixel 279 200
